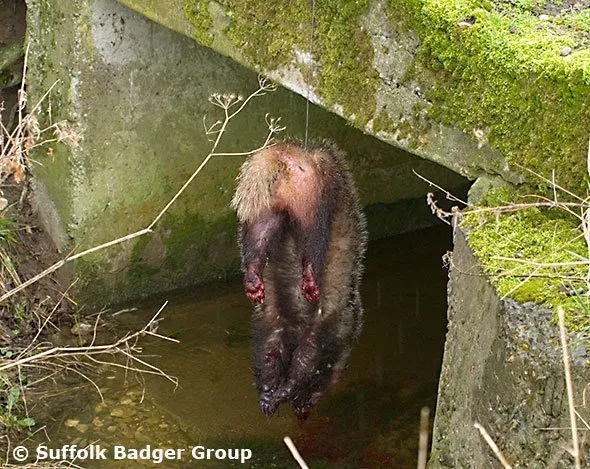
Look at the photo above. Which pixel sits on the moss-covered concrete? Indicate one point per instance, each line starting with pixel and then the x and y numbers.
pixel 415 73
pixel 532 254
pixel 136 94
pixel 503 369
pixel 506 75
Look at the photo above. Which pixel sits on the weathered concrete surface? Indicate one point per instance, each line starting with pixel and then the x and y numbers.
pixel 137 93
pixel 397 99
pixel 502 368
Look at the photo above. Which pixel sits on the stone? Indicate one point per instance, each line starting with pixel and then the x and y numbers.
pixel 97 422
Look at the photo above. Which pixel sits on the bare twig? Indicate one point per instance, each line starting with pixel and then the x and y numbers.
pixel 570 390
pixel 488 439
pixel 289 442
pixel 68 358
pixel 441 214
pixel 449 196
pixel 423 441
pixel 586 219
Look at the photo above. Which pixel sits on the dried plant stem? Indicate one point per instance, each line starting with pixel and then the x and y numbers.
pixel 61 357
pixel 570 390
pixel 226 103
pixel 289 442
pixel 70 258
pixel 586 220
pixel 447 193
pixel 488 439
pixel 423 441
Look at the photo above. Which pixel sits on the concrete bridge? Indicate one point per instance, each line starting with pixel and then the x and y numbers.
pixel 137 93
pixel 425 86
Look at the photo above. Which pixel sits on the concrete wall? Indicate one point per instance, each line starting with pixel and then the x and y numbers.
pixel 502 368
pixel 136 94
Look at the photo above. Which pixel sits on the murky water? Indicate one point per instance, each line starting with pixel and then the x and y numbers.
pixel 369 420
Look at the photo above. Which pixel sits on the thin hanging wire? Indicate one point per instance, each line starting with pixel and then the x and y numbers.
pixel 309 64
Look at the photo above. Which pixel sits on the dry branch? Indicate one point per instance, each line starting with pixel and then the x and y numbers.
pixel 488 439
pixel 73 358
pixel 423 440
pixel 231 106
pixel 295 453
pixel 576 453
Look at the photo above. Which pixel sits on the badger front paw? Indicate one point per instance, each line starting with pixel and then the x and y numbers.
pixel 268 404
pixel 254 287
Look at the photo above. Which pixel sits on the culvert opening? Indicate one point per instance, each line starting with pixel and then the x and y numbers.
pixel 370 419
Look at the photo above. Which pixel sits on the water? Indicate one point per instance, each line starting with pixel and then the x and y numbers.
pixel 368 420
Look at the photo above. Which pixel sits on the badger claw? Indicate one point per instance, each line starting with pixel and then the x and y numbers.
pixel 268 404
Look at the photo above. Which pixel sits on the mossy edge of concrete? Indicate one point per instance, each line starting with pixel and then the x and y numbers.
pixel 501 79
pixel 504 79
pixel 531 254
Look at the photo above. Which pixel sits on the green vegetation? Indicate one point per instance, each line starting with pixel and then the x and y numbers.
pixel 532 254
pixel 345 59
pixel 10 409
pixel 14 318
pixel 503 72
pixel 268 34
pixel 197 13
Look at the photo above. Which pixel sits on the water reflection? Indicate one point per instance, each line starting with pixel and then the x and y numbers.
pixel 370 419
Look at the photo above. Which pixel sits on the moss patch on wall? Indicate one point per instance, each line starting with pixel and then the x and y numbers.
pixel 197 12
pixel 270 34
pixel 532 254
pixel 506 75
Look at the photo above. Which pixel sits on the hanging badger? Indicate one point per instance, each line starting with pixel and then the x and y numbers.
pixel 303 240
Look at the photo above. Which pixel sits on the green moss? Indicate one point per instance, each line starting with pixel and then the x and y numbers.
pixel 268 34
pixel 89 279
pixel 528 255
pixel 197 13
pixel 413 132
pixel 505 74
pixel 139 275
pixel 345 56
pixel 190 231
pixel 383 123
pixel 139 272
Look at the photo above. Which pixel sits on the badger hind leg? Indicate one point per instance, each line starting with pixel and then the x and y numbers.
pixel 313 239
pixel 257 239
pixel 274 340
